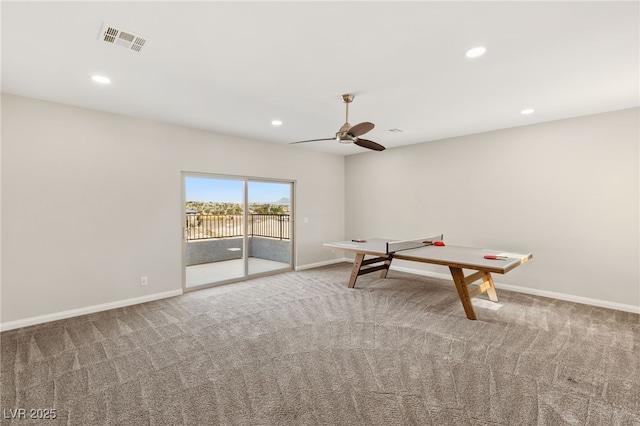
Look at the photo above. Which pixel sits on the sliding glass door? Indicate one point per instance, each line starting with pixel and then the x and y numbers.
pixel 235 227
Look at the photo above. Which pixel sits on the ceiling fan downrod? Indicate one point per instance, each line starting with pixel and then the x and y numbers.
pixel 343 134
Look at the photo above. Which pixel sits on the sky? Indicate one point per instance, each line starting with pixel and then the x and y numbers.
pixel 230 191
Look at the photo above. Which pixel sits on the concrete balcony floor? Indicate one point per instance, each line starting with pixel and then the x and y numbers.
pixel 209 273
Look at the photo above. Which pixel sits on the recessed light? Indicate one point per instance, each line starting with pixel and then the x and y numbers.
pixel 476 51
pixel 527 111
pixel 276 123
pixel 100 79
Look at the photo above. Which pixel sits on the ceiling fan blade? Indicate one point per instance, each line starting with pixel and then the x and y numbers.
pixel 365 143
pixel 314 140
pixel 361 129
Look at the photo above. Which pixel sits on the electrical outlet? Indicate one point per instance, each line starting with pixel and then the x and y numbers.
pixel 144 280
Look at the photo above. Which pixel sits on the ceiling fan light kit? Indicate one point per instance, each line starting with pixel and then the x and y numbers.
pixel 351 134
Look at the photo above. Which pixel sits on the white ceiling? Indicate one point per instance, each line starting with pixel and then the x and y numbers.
pixel 233 67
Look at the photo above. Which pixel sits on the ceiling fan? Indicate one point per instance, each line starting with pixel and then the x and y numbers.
pixel 351 134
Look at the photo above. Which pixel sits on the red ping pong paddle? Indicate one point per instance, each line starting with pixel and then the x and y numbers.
pixel 494 257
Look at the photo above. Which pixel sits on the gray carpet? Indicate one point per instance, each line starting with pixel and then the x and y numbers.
pixel 301 349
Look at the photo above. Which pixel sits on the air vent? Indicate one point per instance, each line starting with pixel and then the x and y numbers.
pixel 123 38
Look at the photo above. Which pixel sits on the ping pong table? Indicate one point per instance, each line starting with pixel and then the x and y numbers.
pixel 433 250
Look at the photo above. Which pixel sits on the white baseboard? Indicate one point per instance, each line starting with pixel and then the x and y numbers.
pixel 536 292
pixel 87 310
pixel 325 263
pixel 571 298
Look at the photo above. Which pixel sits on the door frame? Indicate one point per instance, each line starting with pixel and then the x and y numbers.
pixel 245 182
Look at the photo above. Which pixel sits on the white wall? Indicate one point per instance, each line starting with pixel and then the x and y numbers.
pixel 92 201
pixel 567 191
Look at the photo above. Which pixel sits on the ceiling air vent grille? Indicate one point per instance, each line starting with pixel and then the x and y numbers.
pixel 123 38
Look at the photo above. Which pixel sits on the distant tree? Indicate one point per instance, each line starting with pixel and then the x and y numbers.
pixel 267 209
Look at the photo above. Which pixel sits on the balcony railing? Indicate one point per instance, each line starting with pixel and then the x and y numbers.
pixel 201 227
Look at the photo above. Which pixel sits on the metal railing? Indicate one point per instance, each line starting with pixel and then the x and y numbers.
pixel 200 227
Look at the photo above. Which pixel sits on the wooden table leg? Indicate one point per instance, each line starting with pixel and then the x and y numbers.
pixel 387 264
pixel 463 291
pixel 357 264
pixel 491 289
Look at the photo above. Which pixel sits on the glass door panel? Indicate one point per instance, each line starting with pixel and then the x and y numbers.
pixel 269 226
pixel 214 230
